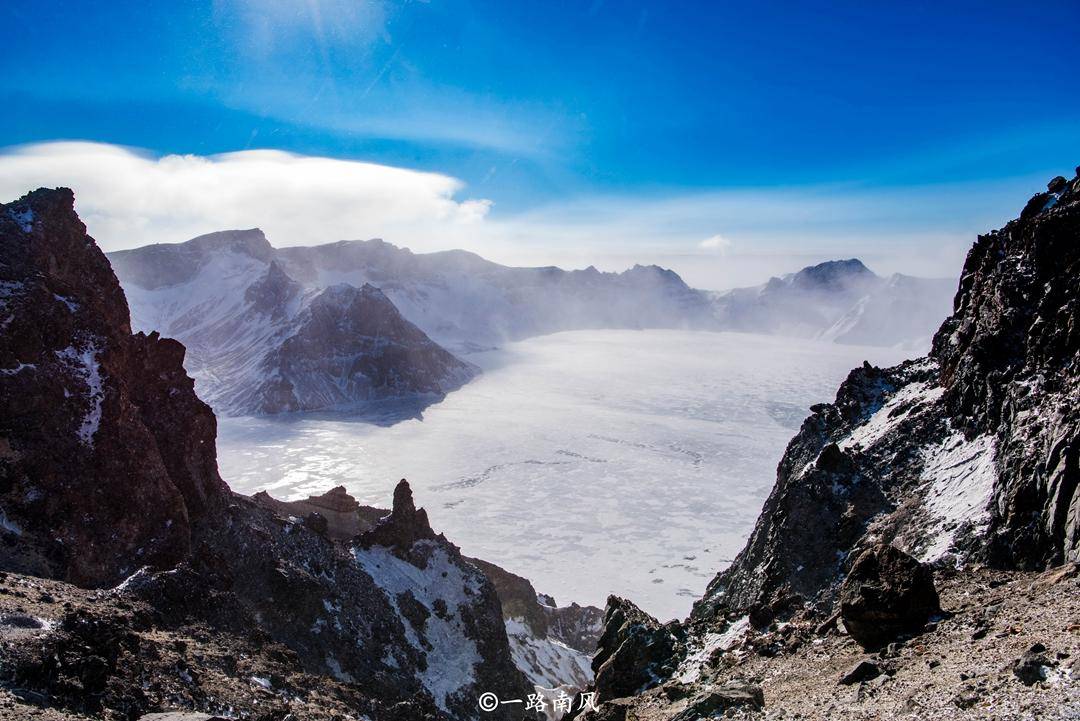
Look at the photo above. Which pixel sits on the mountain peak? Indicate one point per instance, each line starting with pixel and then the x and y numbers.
pixel 251 241
pixel 832 274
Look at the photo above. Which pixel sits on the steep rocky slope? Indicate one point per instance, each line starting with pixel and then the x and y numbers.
pixel 109 481
pixel 551 645
pixel 77 391
pixel 967 460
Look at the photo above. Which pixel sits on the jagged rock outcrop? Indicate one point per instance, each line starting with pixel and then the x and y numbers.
pixel 96 424
pixel 970 453
pixel 635 651
pixel 552 646
pixel 345 518
pixel 108 478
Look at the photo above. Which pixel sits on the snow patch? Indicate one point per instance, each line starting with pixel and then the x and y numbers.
pixel 72 306
pixel 894 411
pixel 9 525
pixel 24 217
pixel 336 672
pixel 84 363
pixel 545 661
pixel 690 669
pixel 961 475
pixel 451 654
pixel 17 369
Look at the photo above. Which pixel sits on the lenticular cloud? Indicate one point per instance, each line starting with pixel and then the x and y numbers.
pixel 130 198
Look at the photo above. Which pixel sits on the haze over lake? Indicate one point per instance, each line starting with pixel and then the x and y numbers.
pixel 590 462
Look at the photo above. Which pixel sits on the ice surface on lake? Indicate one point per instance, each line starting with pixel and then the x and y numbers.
pixel 591 462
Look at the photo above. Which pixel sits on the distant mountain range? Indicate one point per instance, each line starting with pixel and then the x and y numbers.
pixel 841 301
pixel 340 325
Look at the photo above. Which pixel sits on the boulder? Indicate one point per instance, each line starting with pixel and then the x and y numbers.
pixel 718 699
pixel 1032 666
pixel 886 593
pixel 862 671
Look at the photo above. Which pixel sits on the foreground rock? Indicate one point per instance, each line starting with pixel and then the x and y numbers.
pixel 551 645
pixel 207 601
pixel 96 424
pixel 963 462
pixel 886 593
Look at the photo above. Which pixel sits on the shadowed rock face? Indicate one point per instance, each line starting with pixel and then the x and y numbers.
pixel 348 346
pixel 261 343
pixel 96 424
pixel 405 525
pixel 345 518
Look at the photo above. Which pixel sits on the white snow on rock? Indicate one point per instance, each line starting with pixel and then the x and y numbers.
pixel 896 409
pixel 961 475
pixel 690 669
pixel 451 654
pixel 85 365
pixel 24 217
pixel 545 661
pixel 17 369
pixel 9 525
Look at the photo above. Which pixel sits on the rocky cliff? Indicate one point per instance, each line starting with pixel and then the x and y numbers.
pixel 962 465
pixel 206 600
pixel 96 424
pixel 967 454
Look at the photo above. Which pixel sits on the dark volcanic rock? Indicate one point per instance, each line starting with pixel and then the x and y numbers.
pixel 350 345
pixel 106 454
pixel 405 525
pixel 108 477
pixel 1009 364
pixel 1032 667
pixel 886 593
pixel 345 518
pixel 716 699
pixel 634 653
pixel 862 671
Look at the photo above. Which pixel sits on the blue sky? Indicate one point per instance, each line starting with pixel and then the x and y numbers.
pixel 912 122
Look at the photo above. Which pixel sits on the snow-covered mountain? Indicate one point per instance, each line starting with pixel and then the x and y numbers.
pixel 260 342
pixel 305 328
pixel 841 301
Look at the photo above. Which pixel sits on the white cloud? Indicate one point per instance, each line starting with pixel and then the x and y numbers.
pixel 128 198
pixel 716 243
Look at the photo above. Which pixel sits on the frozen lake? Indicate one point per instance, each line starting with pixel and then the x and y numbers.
pixel 591 462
